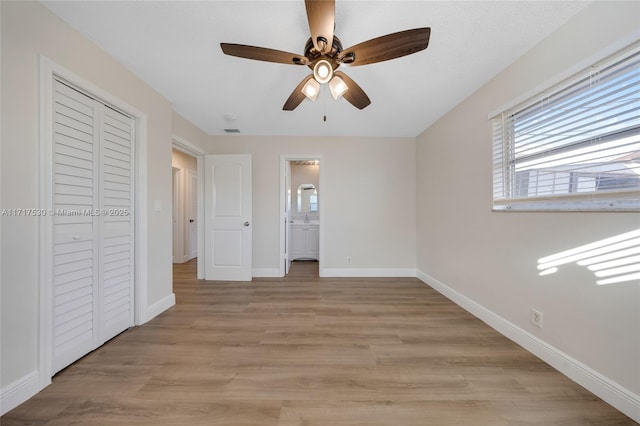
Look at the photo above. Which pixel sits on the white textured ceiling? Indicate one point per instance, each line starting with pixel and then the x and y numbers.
pixel 175 47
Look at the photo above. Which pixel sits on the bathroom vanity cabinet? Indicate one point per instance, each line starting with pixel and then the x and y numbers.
pixel 305 241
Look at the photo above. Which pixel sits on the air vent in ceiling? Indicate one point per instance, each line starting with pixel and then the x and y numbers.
pixel 232 130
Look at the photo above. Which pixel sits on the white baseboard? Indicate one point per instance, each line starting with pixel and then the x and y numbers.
pixel 19 391
pixel 367 273
pixel 342 272
pixel 265 273
pixel 605 388
pixel 159 307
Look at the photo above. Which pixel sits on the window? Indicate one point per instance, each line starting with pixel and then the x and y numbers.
pixel 574 147
pixel 313 203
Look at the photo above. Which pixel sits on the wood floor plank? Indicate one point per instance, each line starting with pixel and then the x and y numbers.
pixel 383 413
pixel 304 350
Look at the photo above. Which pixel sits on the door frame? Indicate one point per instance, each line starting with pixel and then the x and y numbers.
pixel 176 217
pixel 189 213
pixel 48 70
pixel 284 158
pixel 186 147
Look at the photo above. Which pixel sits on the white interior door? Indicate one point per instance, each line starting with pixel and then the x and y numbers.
pixel 192 213
pixel 228 218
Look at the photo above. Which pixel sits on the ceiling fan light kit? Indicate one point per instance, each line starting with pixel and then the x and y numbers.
pixel 324 54
pixel 338 87
pixel 311 89
pixel 322 71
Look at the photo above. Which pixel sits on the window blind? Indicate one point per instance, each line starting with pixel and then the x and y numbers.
pixel 575 146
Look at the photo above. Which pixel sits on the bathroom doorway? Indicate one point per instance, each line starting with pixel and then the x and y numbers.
pixel 301 206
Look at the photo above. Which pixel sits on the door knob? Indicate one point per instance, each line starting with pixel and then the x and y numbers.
pixel 191 221
pixel 246 223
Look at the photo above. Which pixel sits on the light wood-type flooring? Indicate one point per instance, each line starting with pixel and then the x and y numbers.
pixel 305 350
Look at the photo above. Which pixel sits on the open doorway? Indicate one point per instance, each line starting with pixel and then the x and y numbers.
pixel 185 206
pixel 190 150
pixel 300 235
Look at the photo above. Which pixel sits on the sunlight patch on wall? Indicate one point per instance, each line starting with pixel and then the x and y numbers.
pixel 612 260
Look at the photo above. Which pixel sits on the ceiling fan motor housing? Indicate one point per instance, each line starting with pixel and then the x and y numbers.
pixel 314 54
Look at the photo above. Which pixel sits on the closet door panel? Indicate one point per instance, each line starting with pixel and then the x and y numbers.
pixel 117 226
pixel 74 243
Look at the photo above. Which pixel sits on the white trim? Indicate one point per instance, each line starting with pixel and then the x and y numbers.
pixel 45 251
pixel 613 393
pixel 187 147
pixel 48 70
pixel 368 272
pixel 576 68
pixel 266 273
pixel 283 159
pixel 18 392
pixel 200 218
pixel 141 219
pixel 159 307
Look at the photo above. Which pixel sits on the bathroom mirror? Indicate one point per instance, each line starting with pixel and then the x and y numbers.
pixel 307 198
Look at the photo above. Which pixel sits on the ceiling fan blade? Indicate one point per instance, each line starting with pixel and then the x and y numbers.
pixel 387 47
pixel 355 95
pixel 263 54
pixel 297 96
pixel 321 17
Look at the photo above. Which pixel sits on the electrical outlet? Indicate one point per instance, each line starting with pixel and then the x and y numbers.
pixel 348 260
pixel 536 317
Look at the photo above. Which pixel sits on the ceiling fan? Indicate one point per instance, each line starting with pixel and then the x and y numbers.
pixel 323 53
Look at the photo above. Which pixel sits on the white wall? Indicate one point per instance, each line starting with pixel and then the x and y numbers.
pixel 187 132
pixel 29 30
pixel 376 228
pixel 489 257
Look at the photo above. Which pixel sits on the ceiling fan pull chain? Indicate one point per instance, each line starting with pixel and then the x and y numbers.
pixel 324 103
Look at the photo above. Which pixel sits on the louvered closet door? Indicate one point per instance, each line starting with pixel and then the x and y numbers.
pixel 75 240
pixel 116 224
pixel 92 229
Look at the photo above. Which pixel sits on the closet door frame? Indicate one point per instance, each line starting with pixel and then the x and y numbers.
pixel 48 71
